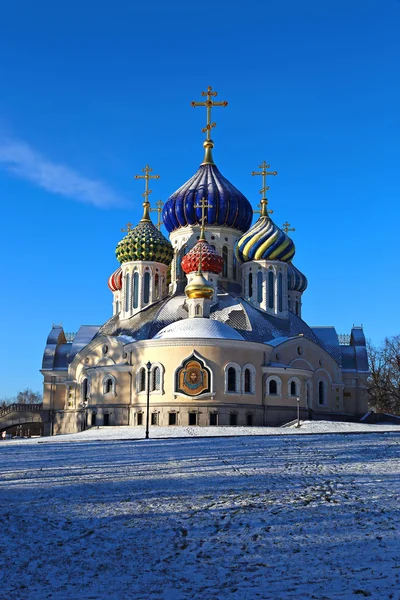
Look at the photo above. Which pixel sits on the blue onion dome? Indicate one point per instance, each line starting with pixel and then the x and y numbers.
pixel 228 206
pixel 145 242
pixel 265 241
pixel 297 282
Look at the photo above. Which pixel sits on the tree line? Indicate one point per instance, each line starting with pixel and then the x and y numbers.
pixel 384 377
pixel 26 396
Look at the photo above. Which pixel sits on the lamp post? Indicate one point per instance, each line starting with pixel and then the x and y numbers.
pixel 298 411
pixel 148 367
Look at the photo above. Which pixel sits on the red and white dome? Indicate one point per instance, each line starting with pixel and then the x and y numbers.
pixel 115 280
pixel 211 261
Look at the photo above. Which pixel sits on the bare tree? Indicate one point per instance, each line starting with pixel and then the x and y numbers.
pixel 27 396
pixel 384 379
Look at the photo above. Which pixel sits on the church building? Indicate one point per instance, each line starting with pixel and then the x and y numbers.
pixel 206 326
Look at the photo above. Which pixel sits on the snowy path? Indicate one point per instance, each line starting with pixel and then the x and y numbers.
pixel 299 517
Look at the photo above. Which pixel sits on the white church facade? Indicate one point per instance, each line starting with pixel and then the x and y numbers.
pixel 207 324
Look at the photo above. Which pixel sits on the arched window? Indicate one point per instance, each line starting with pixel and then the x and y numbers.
pixel 157 285
pixel 234 269
pixel 321 392
pixel 156 379
pixel 270 289
pixel 135 289
pixel 163 285
pixel 259 287
pixel 280 292
pixel 297 307
pixel 142 376
pixel 84 389
pixel 225 259
pixel 127 292
pixel 232 379
pixel 109 385
pixel 308 394
pixel 146 287
pixel 198 310
pixel 293 388
pixel 247 381
pixel 273 386
pixel 117 307
pixel 250 285
pixel 288 303
pixel 180 254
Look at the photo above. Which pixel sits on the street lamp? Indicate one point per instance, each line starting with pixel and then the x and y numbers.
pixel 148 367
pixel 298 411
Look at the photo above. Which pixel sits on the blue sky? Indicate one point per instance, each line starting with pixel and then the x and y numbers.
pixel 91 92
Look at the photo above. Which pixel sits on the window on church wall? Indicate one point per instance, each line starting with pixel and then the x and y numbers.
pixel 163 285
pixel 127 291
pixel 108 386
pixel 117 307
pixel 247 381
pixel 225 259
pixel 288 302
pixel 234 267
pixel 198 310
pixel 142 380
pixel 273 387
pixel 135 290
pixel 232 379
pixel 85 389
pixel 156 379
pixel 250 285
pixel 297 307
pixel 280 292
pixel 293 388
pixel 271 289
pixel 157 285
pixel 259 287
pixel 321 393
pixel 154 418
pixel 139 418
pixel 146 288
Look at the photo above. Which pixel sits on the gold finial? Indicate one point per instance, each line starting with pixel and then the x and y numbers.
pixel 203 205
pixel 158 210
pixel 269 212
pixel 264 172
pixel 209 104
pixel 286 227
pixel 146 204
pixel 129 227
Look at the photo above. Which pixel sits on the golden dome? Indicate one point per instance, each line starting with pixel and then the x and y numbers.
pixel 199 287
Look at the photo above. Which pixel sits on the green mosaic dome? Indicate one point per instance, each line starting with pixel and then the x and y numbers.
pixel 145 242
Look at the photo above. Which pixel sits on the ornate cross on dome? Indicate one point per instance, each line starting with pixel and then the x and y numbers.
pixel 203 205
pixel 146 204
pixel 129 227
pixel 209 104
pixel 264 172
pixel 158 210
pixel 286 227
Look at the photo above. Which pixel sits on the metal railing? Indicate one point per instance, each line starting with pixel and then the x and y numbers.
pixel 21 408
pixel 344 339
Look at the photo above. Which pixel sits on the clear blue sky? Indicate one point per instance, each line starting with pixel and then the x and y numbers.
pixel 91 92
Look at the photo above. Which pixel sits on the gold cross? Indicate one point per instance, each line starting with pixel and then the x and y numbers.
pixel 286 227
pixel 209 104
pixel 264 173
pixel 146 204
pixel 129 227
pixel 158 210
pixel 203 205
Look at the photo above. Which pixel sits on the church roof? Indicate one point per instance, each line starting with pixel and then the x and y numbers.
pixel 144 242
pixel 198 328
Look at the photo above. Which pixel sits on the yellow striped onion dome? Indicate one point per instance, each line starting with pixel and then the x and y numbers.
pixel 297 282
pixel 144 242
pixel 265 241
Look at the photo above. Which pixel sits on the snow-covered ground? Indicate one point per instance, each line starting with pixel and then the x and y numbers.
pixel 245 517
